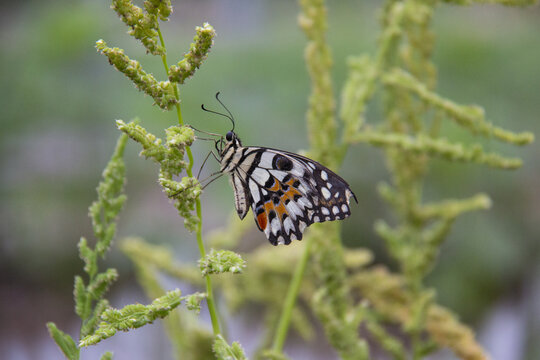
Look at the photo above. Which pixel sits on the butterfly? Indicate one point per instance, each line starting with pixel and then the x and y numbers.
pixel 287 192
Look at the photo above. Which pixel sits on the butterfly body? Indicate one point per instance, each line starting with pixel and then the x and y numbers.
pixel 287 192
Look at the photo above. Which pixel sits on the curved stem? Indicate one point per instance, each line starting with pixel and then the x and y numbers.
pixel 290 300
pixel 210 297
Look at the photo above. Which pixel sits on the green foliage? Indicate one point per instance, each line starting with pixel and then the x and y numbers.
pixel 89 301
pixel 331 303
pixel 107 356
pixel 193 301
pixel 224 351
pixel 132 317
pixel 190 339
pixel 161 91
pixel 64 342
pixel 185 193
pixel 410 136
pixel 223 261
pixel 402 73
pixel 198 51
pixel 144 25
pixel 170 156
pixel 105 209
pixel 100 321
pixel 394 301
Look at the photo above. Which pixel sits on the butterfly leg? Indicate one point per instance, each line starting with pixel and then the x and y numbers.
pixel 205 160
pixel 218 173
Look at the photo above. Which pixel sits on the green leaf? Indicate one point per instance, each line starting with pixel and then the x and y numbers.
pixel 64 342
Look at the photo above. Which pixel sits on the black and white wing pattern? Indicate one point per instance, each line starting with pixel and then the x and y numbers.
pixel 286 192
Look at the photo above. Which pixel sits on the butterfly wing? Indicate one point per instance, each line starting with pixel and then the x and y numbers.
pixel 288 192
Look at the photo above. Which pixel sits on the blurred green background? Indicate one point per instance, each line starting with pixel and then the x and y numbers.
pixel 59 99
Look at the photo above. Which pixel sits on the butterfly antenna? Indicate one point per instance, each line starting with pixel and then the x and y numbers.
pixel 218 113
pixel 230 115
pixel 204 132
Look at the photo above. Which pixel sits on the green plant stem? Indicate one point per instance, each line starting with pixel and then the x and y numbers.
pixel 290 300
pixel 210 294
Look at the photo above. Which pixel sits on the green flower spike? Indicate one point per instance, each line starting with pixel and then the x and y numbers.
pixel 219 262
pixel 161 91
pixel 144 26
pixel 171 159
pixel 198 51
pixel 132 317
pixel 224 351
pixel 193 301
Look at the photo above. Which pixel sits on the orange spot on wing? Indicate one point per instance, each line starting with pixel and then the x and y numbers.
pixel 268 206
pixel 275 186
pixel 290 193
pixel 262 220
pixel 280 210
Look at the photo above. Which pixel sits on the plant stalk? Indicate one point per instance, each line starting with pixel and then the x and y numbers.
pixel 210 297
pixel 290 300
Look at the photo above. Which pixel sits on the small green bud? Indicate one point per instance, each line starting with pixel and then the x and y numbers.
pixel 225 351
pixel 193 301
pixel 222 261
pixel 161 8
pixel 143 27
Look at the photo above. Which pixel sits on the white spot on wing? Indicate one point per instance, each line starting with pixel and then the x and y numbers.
pixel 266 160
pixel 325 211
pixel 326 193
pixel 316 219
pixel 254 189
pixel 335 210
pixel 344 208
pixel 294 210
pixel 302 226
pixel 304 203
pixel 278 174
pixel 348 193
pixel 324 175
pixel 288 225
pixel 261 176
pixel 275 225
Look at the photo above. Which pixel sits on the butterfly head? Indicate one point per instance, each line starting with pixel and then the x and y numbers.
pixel 230 142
